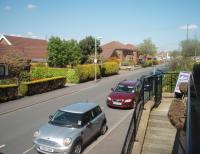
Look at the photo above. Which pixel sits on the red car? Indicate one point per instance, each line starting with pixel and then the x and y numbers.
pixel 125 94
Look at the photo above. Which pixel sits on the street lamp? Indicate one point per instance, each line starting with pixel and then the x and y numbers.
pixel 95 57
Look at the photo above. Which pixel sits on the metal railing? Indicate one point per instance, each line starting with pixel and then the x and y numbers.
pixel 151 86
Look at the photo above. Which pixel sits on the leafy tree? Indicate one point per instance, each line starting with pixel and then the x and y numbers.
pixel 190 48
pixel 72 52
pixel 87 46
pixel 16 63
pixel 175 53
pixel 62 52
pixel 147 47
pixel 55 52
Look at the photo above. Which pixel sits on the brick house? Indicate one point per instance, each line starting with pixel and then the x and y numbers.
pixel 119 50
pixel 29 48
pixel 33 49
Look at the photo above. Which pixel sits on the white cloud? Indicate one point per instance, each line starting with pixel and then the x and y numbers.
pixel 31 6
pixel 30 33
pixel 7 8
pixel 190 27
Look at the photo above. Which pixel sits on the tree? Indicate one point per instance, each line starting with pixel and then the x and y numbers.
pixel 147 47
pixel 55 52
pixel 62 52
pixel 73 55
pixel 16 63
pixel 175 54
pixel 190 48
pixel 87 46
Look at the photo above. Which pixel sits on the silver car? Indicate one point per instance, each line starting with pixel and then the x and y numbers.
pixel 70 128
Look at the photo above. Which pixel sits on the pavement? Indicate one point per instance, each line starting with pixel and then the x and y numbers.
pixel 155 134
pixel 160 135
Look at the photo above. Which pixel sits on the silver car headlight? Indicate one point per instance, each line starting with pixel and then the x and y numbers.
pixel 36 134
pixel 67 141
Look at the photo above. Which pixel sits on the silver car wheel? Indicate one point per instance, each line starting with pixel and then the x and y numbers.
pixel 77 148
pixel 103 129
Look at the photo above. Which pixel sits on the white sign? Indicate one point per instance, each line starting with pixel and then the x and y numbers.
pixel 184 77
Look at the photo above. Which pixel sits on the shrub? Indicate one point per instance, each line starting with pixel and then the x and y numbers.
pixel 113 59
pixel 8 92
pixel 87 72
pixel 125 63
pixel 24 76
pixel 41 86
pixel 47 72
pixel 147 63
pixel 41 64
pixel 155 62
pixel 109 68
pixel 72 76
pixel 8 81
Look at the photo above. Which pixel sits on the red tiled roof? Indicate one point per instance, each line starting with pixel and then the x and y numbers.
pixel 31 48
pixel 108 48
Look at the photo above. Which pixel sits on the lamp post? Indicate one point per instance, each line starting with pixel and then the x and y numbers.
pixel 95 57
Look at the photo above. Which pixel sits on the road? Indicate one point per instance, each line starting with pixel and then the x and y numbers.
pixel 17 127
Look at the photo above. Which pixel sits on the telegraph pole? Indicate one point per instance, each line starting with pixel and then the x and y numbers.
pixel 187 32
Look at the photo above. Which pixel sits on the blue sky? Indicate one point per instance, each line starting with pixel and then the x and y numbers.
pixel 127 21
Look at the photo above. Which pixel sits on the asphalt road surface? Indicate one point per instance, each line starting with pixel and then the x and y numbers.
pixel 17 126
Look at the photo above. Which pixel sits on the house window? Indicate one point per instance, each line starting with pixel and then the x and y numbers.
pixel 2 71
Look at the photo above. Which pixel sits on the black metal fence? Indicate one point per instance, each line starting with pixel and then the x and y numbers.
pixel 151 89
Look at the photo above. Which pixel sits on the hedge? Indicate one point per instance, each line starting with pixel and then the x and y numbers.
pixel 147 63
pixel 8 92
pixel 87 72
pixel 72 76
pixel 109 68
pixel 47 72
pixel 41 86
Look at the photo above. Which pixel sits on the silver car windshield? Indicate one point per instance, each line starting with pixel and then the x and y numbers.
pixel 67 119
pixel 124 88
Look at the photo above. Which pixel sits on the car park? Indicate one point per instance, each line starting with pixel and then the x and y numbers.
pixel 70 128
pixel 125 94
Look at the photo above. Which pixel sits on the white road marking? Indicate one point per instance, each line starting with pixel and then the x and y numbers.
pixel 107 133
pixel 2 146
pixel 28 150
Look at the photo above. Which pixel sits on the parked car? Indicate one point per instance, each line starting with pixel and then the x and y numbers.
pixel 125 94
pixel 70 128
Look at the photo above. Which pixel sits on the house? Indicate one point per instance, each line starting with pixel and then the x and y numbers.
pixel 119 50
pixel 162 56
pixel 32 49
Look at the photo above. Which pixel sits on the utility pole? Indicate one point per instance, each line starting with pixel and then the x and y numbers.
pixel 187 32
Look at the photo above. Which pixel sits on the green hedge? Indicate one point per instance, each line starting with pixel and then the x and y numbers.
pixel 41 86
pixel 87 72
pixel 8 92
pixel 147 63
pixel 72 76
pixel 47 72
pixel 109 68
